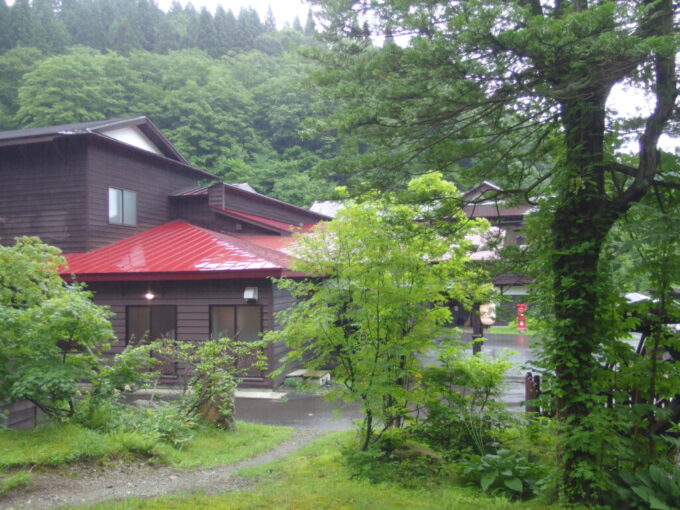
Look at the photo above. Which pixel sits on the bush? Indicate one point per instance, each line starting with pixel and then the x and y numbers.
pixel 164 421
pixel 504 472
pixel 654 488
pixel 463 412
pixel 215 368
pixel 396 458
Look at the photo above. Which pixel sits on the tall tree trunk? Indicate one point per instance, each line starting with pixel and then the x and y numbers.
pixel 580 226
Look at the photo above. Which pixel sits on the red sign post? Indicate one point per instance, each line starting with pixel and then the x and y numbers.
pixel 521 316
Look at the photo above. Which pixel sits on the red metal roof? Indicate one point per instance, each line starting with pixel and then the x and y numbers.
pixel 278 243
pixel 177 250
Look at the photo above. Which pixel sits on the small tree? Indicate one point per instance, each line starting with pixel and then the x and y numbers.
pixel 215 367
pixel 50 331
pixel 383 273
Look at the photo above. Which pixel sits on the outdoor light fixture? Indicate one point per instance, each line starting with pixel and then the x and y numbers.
pixel 250 294
pixel 149 295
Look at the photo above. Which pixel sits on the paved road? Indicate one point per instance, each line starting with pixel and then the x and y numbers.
pixel 313 412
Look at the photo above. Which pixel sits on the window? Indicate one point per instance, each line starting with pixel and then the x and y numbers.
pixel 150 322
pixel 122 207
pixel 236 322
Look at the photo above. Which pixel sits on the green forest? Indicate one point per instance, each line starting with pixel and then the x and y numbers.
pixel 229 90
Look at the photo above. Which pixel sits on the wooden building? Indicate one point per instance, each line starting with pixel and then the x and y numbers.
pixel 170 255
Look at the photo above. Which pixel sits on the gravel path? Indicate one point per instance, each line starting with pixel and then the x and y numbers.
pixel 93 485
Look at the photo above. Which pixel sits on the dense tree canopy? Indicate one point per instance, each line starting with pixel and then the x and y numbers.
pixel 517 92
pixel 229 90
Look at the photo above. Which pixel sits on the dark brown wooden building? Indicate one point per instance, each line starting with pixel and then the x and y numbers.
pixel 170 255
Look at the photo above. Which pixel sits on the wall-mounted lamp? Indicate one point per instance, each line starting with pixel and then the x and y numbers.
pixel 250 294
pixel 149 295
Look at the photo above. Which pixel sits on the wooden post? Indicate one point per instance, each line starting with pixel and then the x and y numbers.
pixel 477 329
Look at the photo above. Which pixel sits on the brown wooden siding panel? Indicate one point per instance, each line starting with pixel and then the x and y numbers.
pixel 193 300
pixel 20 415
pixel 195 210
pixel 44 192
pixel 269 210
pixel 281 299
pixel 152 178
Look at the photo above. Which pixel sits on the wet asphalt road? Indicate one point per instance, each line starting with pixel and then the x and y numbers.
pixel 313 411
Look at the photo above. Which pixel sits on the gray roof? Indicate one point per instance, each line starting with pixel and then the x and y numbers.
pixel 78 127
pixel 141 122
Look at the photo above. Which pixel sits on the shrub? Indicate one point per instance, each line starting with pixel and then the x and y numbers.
pixel 395 457
pixel 463 412
pixel 505 472
pixel 164 421
pixel 214 371
pixel 654 488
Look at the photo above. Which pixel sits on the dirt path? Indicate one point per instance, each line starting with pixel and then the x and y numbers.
pixel 93 485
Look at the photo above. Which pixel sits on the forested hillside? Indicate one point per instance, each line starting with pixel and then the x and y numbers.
pixel 229 90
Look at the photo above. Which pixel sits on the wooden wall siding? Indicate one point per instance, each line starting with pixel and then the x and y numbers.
pixel 281 299
pixel 20 415
pixel 193 300
pixel 195 210
pixel 216 196
pixel 43 193
pixel 151 177
pixel 250 205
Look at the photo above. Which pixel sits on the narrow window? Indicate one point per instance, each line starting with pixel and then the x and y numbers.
pixel 122 207
pixel 115 206
pixel 129 208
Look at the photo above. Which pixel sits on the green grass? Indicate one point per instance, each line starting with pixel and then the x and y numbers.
pixel 314 478
pixel 53 445
pixel 10 481
pixel 213 447
pixel 508 330
pixel 56 445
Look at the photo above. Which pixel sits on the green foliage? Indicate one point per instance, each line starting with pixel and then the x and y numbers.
pixel 239 117
pixel 215 368
pixel 463 412
pixel 51 331
pixel 504 472
pixel 654 488
pixel 162 422
pixel 517 92
pixel 380 275
pixel 399 459
pixel 69 443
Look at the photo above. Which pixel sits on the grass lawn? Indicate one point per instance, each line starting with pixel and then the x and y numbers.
pixel 55 445
pixel 508 330
pixel 315 478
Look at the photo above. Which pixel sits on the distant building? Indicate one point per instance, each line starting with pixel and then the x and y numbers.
pixel 507 223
